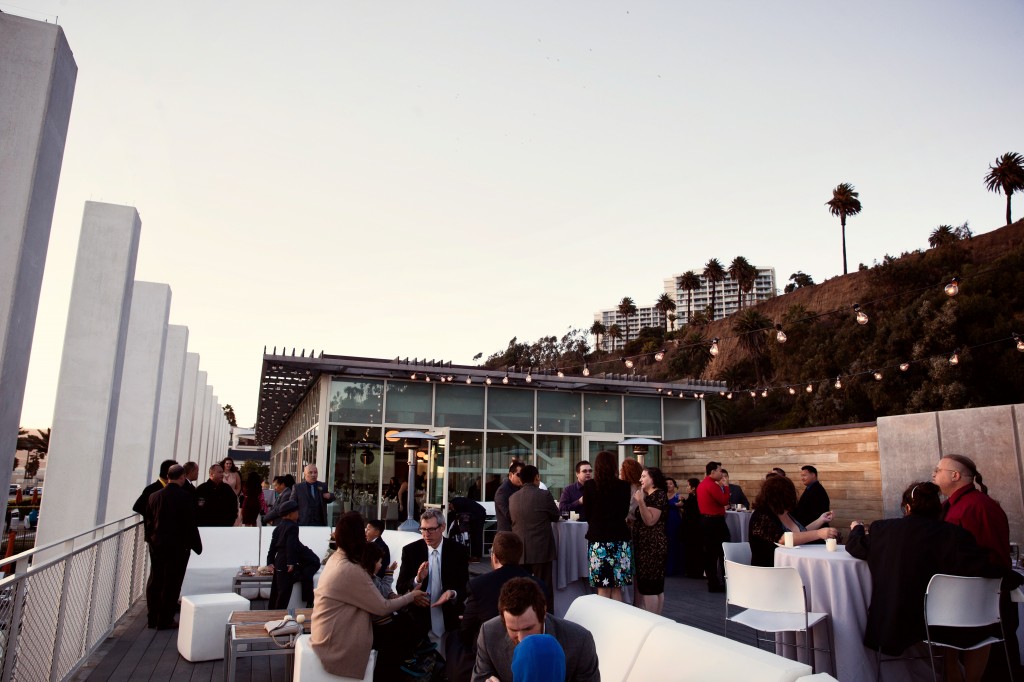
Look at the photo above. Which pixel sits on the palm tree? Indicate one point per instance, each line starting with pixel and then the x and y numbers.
pixel 664 305
pixel 714 273
pixel 614 332
pixel 597 329
pixel 626 308
pixel 1006 176
pixel 942 235
pixel 689 282
pixel 744 274
pixel 672 319
pixel 37 445
pixel 753 328
pixel 844 203
pixel 799 279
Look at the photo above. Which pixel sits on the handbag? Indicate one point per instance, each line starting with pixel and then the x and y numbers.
pixel 287 628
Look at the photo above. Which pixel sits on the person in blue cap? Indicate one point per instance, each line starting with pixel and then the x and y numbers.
pixel 538 658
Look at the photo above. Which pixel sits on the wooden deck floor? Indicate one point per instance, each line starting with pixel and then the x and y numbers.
pixel 138 654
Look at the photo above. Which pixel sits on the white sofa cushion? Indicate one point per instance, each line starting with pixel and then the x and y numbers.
pixel 619 632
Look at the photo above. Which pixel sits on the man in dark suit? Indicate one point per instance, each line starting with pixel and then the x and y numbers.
pixel 447 587
pixel 814 502
pixel 312 496
pixel 374 531
pixel 533 510
pixel 142 502
pixel 482 604
pixel 293 562
pixel 504 493
pixel 523 613
pixel 172 534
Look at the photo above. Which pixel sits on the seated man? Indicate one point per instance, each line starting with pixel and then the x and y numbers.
pixel 523 612
pixel 291 560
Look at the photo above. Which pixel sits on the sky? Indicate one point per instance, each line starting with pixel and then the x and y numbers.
pixel 432 179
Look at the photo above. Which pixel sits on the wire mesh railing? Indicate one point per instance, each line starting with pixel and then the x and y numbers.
pixel 59 602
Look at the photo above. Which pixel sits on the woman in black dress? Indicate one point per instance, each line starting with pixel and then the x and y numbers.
pixel 650 544
pixel 693 541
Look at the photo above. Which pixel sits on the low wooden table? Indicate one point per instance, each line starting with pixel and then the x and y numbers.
pixel 258 581
pixel 245 629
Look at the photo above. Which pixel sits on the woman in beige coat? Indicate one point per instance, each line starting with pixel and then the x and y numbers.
pixel 341 631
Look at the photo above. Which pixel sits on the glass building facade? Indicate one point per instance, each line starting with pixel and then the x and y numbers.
pixel 481 429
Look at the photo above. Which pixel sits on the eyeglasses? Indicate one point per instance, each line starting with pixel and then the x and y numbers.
pixel 938 469
pixel 431 529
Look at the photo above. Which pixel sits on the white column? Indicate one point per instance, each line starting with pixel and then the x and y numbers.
pixel 165 441
pixel 204 433
pixel 140 397
pixel 198 413
pixel 37 84
pixel 89 383
pixel 182 450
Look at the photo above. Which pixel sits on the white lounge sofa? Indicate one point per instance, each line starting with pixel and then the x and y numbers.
pixel 638 646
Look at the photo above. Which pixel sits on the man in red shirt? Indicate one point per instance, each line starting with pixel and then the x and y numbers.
pixel 974 511
pixel 712 498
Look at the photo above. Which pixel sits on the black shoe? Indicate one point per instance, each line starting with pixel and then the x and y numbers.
pixel 716 588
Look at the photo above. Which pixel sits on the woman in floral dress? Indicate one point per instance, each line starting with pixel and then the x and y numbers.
pixel 606 503
pixel 650 543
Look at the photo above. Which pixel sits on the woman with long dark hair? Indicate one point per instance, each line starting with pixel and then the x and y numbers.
pixel 606 503
pixel 342 633
pixel 772 519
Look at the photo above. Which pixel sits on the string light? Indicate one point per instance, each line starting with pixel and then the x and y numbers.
pixel 426 377
pixel 753 394
pixel 792 391
pixel 1020 342
pixel 810 388
pixel 714 347
pixel 469 379
pixel 586 370
pixel 904 366
pixel 878 375
pixel 728 396
pixel 504 379
pixel 629 363
pixel 780 335
pixel 413 376
pixel 862 317
pixel 764 393
pixel 561 374
pixel 529 376
pixel 487 381
pixel 839 383
pixel 954 359
pixel 660 355
pixel 953 288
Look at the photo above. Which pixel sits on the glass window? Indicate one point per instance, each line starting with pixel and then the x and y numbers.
pixel 354 461
pixel 502 448
pixel 510 409
pixel 643 416
pixel 409 403
pixel 602 413
pixel 460 406
pixel 558 412
pixel 556 459
pixel 356 400
pixel 465 459
pixel 682 419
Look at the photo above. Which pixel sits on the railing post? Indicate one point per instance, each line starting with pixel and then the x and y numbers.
pixel 114 591
pixel 58 637
pixel 11 646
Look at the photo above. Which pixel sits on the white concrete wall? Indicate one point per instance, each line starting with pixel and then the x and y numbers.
pixel 140 396
pixel 89 383
pixel 198 412
pixel 183 448
pixel 165 440
pixel 37 85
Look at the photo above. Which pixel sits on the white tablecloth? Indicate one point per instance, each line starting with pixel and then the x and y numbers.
pixel 571 568
pixel 739 525
pixel 840 585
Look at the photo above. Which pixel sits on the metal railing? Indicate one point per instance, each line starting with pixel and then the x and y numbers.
pixel 59 602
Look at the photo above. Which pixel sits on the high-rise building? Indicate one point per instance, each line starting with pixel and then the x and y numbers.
pixel 647 316
pixel 727 296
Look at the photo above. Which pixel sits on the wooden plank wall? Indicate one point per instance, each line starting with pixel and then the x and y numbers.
pixel 846 458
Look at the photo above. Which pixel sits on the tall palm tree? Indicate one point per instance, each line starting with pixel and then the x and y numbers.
pixel 942 235
pixel 1006 176
pixel 744 274
pixel 689 282
pixel 597 329
pixel 665 305
pixel 614 332
pixel 844 203
pixel 714 273
pixel 626 308
pixel 753 328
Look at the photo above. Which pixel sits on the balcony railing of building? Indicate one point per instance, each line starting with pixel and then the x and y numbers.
pixel 59 602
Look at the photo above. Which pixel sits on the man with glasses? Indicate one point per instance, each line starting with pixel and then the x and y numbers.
pixel 571 499
pixel 440 567
pixel 509 488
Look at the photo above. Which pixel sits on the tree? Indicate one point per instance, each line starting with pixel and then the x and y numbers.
pixel 597 329
pixel 744 274
pixel 229 414
pixel 665 305
pixel 714 273
pixel 37 445
pixel 798 279
pixel 251 466
pixel 844 203
pixel 753 328
pixel 1006 176
pixel 941 236
pixel 614 332
pixel 626 308
pixel 672 319
pixel 689 282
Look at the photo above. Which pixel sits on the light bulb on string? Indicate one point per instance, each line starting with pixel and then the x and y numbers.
pixel 728 396
pixel 904 366
pixel 954 359
pixel 469 379
pixel 669 394
pixel 764 393
pixel 629 363
pixel 413 376
pixel 878 375
pixel 862 317
pixel 792 391
pixel 561 374
pixel 810 388
pixel 659 356
pixel 586 370
pixel 529 377
pixel 426 378
pixel 504 379
pixel 714 347
pixel 753 394
pixel 839 382
pixel 953 288
pixel 487 381
pixel 1020 342
pixel 450 378
pixel 780 335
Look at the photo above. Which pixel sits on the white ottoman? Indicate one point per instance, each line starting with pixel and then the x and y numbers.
pixel 201 627
pixel 308 667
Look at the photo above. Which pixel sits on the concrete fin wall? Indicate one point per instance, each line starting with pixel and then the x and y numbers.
pixel 165 438
pixel 182 451
pixel 37 85
pixel 89 383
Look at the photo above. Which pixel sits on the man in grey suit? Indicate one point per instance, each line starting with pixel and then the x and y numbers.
pixel 533 510
pixel 312 496
pixel 523 613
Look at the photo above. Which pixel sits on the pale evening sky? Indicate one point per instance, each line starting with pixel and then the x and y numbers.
pixel 430 179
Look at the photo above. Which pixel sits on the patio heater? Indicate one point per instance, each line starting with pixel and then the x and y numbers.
pixel 413 440
pixel 640 446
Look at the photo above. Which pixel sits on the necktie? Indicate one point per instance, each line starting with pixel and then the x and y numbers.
pixel 434 588
pixel 312 491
